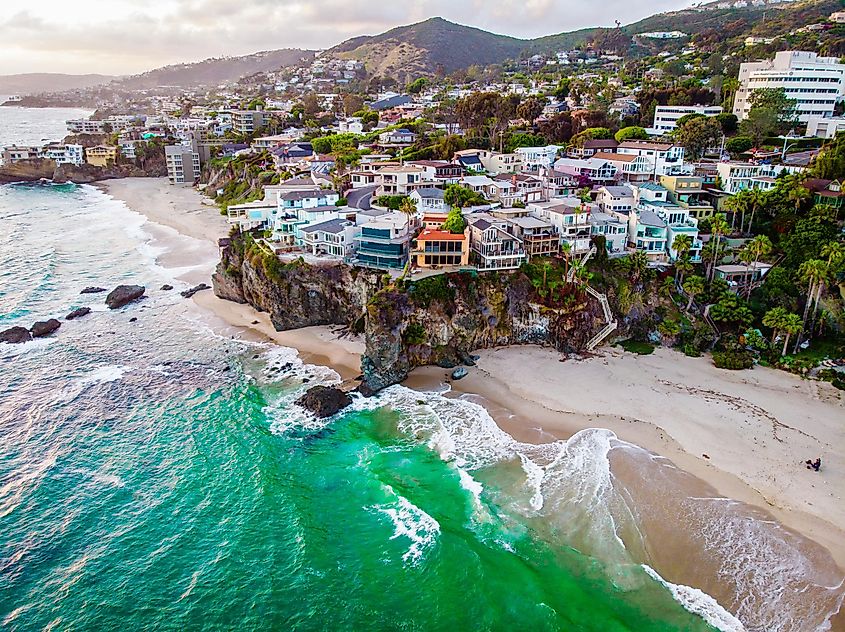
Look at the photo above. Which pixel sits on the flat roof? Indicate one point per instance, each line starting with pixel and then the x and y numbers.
pixel 430 234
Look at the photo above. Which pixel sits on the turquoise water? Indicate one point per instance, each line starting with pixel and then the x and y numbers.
pixel 157 475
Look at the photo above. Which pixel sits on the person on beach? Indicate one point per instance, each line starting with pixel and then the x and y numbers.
pixel 814 465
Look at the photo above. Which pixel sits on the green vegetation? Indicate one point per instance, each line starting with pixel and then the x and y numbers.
pixel 392 202
pixel 431 289
pixel 455 222
pixel 637 346
pixel 460 197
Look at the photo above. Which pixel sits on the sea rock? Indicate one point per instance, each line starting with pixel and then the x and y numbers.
pixel 195 289
pixel 459 373
pixel 78 313
pixel 93 290
pixel 44 328
pixel 123 295
pixel 166 287
pixel 15 335
pixel 324 401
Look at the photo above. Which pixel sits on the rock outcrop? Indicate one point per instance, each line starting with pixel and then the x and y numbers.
pixel 123 295
pixel 15 335
pixel 324 401
pixel 46 169
pixel 93 290
pixel 78 313
pixel 195 289
pixel 44 328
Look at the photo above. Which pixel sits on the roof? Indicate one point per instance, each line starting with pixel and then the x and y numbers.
pixel 651 186
pixel 478 181
pixel 480 223
pixel 600 143
pixel 469 160
pixel 529 222
pixel 430 234
pixel 292 196
pixel 430 193
pixel 621 191
pixel 334 226
pixel 650 218
pixel 519 177
pixel 645 144
pixel 730 268
pixel 612 156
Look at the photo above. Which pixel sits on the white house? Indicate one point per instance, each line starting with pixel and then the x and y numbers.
pixel 825 127
pixel 334 237
pixel 570 217
pixel 536 158
pixel 661 158
pixel 429 200
pixel 64 154
pixel 594 169
pixel 614 229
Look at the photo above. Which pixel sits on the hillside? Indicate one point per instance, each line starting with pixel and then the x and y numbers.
pixel 37 82
pixel 426 48
pixel 216 70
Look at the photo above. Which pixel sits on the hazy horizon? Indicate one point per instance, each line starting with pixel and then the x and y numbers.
pixel 119 38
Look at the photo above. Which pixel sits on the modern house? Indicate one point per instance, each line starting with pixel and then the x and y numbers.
pixel 493 246
pixel 591 147
pixel 654 198
pixel 492 162
pixel 536 158
pixel 16 154
pixel 739 276
pixel 661 158
pixel 614 229
pixel 400 180
pixel 429 200
pixel 434 248
pixel 648 233
pixel 825 127
pixel 442 172
pixel 510 189
pixel 618 199
pixel 101 155
pixel 539 237
pixel 397 138
pixel 297 209
pixel 569 217
pixel 64 154
pixel 688 192
pixel 558 184
pixel 334 237
pixel 593 169
pixel 248 121
pixel 384 242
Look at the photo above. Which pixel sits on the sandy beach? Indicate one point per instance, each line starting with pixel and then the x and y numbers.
pixel 746 434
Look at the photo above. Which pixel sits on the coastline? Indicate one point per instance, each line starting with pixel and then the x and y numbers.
pixel 756 427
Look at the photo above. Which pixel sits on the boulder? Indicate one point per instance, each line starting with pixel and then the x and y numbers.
pixel 78 313
pixel 123 295
pixel 15 335
pixel 195 289
pixel 459 373
pixel 324 401
pixel 44 328
pixel 166 287
pixel 93 290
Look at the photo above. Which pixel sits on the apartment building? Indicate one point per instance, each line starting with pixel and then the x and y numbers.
pixel 666 116
pixel 815 83
pixel 183 164
pixel 435 248
pixel 16 154
pixel 248 121
pixel 64 154
pixel 384 242
pixel 823 127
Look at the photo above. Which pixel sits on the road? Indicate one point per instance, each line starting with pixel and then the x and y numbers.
pixel 360 198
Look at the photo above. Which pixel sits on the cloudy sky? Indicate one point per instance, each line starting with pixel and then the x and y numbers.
pixel 128 36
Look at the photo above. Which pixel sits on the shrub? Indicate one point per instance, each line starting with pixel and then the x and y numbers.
pixel 414 334
pixel 733 360
pixel 436 288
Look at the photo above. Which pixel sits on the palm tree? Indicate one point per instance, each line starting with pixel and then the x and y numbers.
pixel 566 251
pixel 791 325
pixel 814 273
pixel 638 262
pixel 737 203
pixel 757 248
pixel 408 207
pixel 774 319
pixel 797 194
pixel 694 286
pixel 681 245
pixel 718 228
pixel 756 199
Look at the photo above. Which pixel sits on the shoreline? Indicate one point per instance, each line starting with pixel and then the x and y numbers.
pixel 755 427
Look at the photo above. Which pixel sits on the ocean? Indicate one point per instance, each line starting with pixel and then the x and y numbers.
pixel 155 473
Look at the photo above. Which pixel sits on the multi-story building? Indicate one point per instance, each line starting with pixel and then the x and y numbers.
pixel 248 121
pixel 397 138
pixel 429 200
pixel 570 218
pixel 655 198
pixel 442 172
pixel 64 154
pixel 297 209
pixel 666 116
pixel 660 158
pixel 86 126
pixel 334 237
pixel 688 191
pixel 815 83
pixel 183 163
pixel 535 159
pixel 618 199
pixel 558 184
pixel 401 180
pixel 101 155
pixel 825 127
pixel 492 162
pixel 510 189
pixel 593 169
pixel 493 246
pixel 435 248
pixel 590 148
pixel 539 237
pixel 16 154
pixel 739 176
pixel 384 242
pixel 614 229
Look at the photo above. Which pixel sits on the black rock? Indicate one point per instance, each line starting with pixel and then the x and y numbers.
pixel 166 287
pixel 324 401
pixel 78 313
pixel 446 363
pixel 93 290
pixel 44 328
pixel 15 335
pixel 123 295
pixel 459 373
pixel 195 289
pixel 133 319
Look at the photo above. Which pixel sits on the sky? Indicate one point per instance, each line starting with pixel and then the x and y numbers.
pixel 130 36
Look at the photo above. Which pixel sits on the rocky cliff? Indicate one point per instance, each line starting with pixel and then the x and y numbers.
pixel 44 169
pixel 438 320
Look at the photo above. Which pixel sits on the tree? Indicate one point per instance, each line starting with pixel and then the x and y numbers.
pixel 461 197
pixel 557 129
pixel 830 163
pixel 524 140
pixel 774 319
pixel 311 104
pixel 562 89
pixel 791 326
pixel 814 273
pixel 732 311
pixel 693 286
pixel 756 199
pixel 686 118
pixel 638 264
pixel 759 125
pixel 417 86
pixel 698 135
pixel 531 109
pixel 739 144
pixel 409 209
pixel 455 222
pixel 776 101
pixel 797 195
pixel 591 133
pixel 353 103
pixel 630 133
pixel 681 245
pixel 718 228
pixel 728 121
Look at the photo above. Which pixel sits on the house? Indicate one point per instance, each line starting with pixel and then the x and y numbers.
pixel 539 237
pixel 591 147
pixel 389 101
pixel 440 171
pixel 334 237
pixel 536 158
pixel 617 199
pixel 653 197
pixel 252 215
pixel 595 170
pixel 16 154
pixel 739 276
pixel 401 180
pixel 630 167
pixel 739 176
pixel 688 192
pixel 826 192
pixel 397 138
pixel 825 127
pixel 297 209
pixel 480 184
pixel 469 160
pixel 492 246
pixel 648 233
pixel 247 122
pixel 384 242
pixel 512 188
pixel 64 154
pixel 428 200
pixel 570 218
pixel 491 161
pixel 271 142
pixel 435 248
pixel 101 155
pixel 557 184
pixel 292 154
pixel 359 179
pixel 613 228
pixel 661 158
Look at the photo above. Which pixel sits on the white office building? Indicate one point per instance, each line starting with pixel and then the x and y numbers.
pixel 815 83
pixel 666 116
pixel 823 127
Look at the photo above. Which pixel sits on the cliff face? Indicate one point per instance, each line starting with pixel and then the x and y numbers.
pixel 44 169
pixel 439 320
